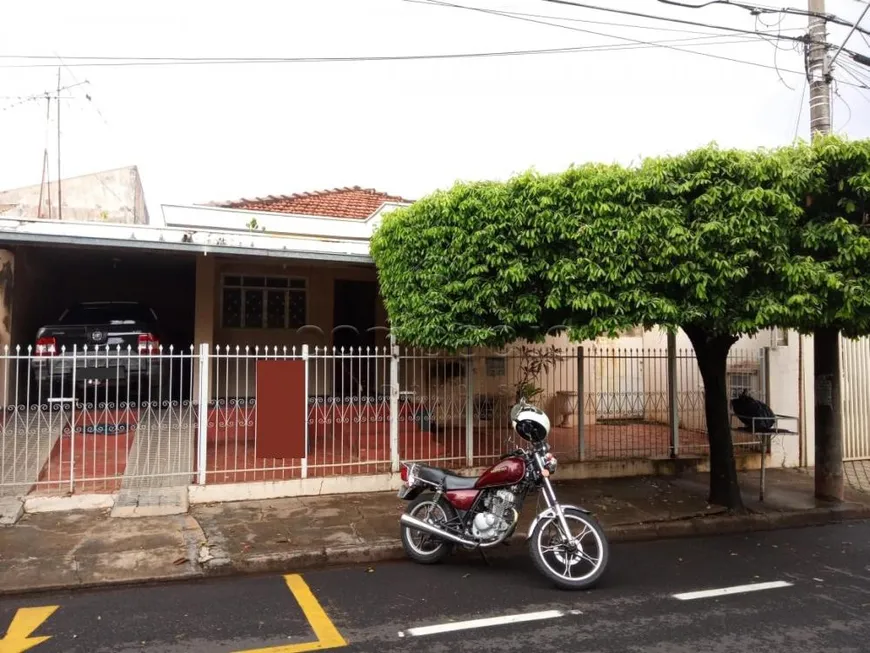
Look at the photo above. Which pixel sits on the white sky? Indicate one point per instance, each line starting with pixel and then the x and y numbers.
pixel 206 132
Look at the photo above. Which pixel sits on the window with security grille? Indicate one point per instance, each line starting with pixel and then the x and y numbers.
pixel 258 302
pixel 738 382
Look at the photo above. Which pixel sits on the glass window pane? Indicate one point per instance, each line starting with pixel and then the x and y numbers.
pixel 231 309
pixel 277 282
pixel 297 309
pixel 275 303
pixel 232 281
pixel 254 282
pixel 297 283
pixel 254 309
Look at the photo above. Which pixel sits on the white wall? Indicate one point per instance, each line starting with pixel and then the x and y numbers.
pixel 108 196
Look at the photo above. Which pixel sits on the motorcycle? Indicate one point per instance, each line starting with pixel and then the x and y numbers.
pixel 446 509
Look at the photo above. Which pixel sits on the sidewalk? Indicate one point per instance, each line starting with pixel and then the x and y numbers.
pixel 89 548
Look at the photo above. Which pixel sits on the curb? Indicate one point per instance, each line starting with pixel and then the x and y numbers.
pixel 391 550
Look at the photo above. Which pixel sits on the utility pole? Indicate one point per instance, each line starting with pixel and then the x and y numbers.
pixel 826 342
pixel 59 182
pixel 818 73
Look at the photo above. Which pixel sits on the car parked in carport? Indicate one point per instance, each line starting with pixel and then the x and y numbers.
pixel 101 344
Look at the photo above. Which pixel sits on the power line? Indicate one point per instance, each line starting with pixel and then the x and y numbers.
pixel 848 36
pixel 757 9
pixel 630 25
pixel 681 21
pixel 87 61
pixel 797 39
pixel 494 12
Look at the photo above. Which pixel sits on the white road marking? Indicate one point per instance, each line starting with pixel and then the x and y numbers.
pixel 736 589
pixel 483 623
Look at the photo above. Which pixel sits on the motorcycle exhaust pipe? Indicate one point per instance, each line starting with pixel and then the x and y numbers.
pixel 413 522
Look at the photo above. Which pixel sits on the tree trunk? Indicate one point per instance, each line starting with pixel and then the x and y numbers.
pixel 712 355
pixel 829 427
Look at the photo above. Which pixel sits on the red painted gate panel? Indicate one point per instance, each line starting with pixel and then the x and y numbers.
pixel 282 409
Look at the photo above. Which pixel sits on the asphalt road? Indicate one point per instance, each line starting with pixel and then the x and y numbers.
pixel 825 605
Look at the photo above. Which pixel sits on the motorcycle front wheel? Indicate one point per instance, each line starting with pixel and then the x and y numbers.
pixel 573 565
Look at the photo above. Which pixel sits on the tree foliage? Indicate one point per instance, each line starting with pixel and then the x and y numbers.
pixel 720 243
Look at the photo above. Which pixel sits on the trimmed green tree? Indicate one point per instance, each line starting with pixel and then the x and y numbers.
pixel 704 241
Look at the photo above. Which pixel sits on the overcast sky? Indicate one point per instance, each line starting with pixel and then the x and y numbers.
pixel 212 132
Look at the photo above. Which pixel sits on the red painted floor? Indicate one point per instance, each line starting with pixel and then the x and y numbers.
pixel 341 443
pixel 100 461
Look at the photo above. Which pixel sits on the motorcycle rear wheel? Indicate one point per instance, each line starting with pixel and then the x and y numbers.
pixel 557 562
pixel 414 541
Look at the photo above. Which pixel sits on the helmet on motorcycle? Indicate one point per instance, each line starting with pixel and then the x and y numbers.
pixel 531 423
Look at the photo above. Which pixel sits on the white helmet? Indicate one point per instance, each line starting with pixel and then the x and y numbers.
pixel 530 422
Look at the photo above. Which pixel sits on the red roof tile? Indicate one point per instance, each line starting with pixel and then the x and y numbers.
pixel 345 202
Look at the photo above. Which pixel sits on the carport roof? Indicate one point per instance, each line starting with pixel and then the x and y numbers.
pixel 306 244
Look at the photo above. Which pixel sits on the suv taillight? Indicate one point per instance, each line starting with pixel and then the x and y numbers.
pixel 148 344
pixel 46 346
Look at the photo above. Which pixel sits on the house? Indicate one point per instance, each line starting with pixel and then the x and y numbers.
pixel 237 284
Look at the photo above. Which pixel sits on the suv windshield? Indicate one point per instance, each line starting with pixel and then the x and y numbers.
pixel 119 313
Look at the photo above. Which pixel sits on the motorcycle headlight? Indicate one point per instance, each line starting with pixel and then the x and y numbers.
pixel 550 462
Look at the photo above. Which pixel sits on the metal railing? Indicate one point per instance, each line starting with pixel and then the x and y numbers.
pixel 855 397
pixel 107 419
pixel 95 419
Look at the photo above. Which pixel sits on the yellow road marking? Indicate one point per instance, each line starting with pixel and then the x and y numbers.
pixel 25 621
pixel 327 634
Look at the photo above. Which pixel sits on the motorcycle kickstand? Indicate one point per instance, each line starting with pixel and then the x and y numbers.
pixel 483 555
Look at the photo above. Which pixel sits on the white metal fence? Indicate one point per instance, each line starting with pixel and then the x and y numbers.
pixel 108 420
pixel 855 397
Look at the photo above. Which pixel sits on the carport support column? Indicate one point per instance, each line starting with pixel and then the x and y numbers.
pixel 204 309
pixel 7 282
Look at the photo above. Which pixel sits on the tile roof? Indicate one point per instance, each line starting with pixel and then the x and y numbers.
pixel 344 202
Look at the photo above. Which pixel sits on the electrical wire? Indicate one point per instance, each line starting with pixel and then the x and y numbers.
pixel 442 3
pixel 860 86
pixel 612 24
pixel 100 61
pixel 776 47
pixel 583 5
pixel 800 109
pixel 631 25
pixel 756 9
pixel 846 104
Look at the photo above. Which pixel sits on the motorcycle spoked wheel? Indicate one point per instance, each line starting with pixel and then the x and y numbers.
pixel 422 547
pixel 576 569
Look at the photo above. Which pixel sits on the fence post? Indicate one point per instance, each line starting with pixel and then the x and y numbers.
pixel 72 431
pixel 581 404
pixel 673 404
pixel 306 411
pixel 202 424
pixel 394 405
pixel 469 409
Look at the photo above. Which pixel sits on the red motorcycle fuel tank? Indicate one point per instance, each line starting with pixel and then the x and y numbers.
pixel 505 472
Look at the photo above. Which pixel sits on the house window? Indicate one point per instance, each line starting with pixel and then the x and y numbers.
pixel 738 382
pixel 263 302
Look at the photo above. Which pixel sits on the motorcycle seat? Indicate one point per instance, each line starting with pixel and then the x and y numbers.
pixel 450 480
